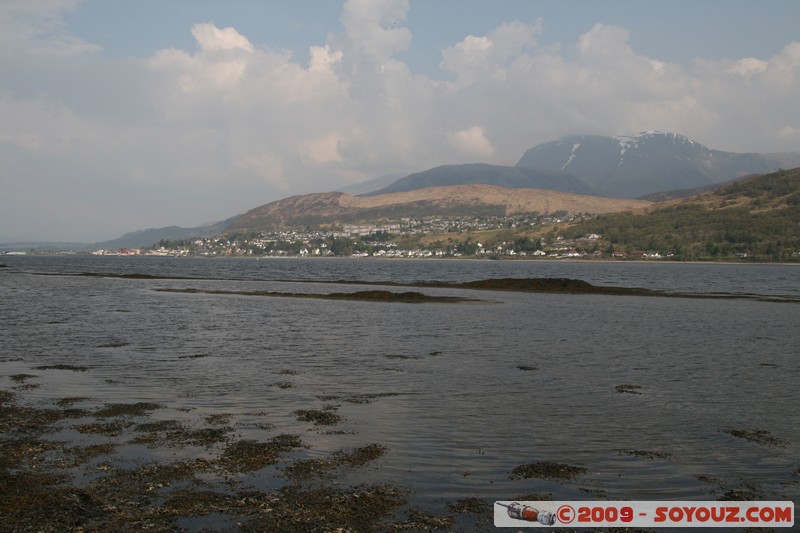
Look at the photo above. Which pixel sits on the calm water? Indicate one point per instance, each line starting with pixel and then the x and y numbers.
pixel 445 392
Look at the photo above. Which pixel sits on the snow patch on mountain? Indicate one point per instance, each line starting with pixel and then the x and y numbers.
pixel 571 155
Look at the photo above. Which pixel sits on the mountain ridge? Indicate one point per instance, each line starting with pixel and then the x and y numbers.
pixel 649 162
pixel 656 166
pixel 147 237
pixel 482 173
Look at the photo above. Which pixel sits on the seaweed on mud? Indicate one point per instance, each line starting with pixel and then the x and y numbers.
pixel 759 436
pixel 145 478
pixel 534 497
pixel 206 436
pixel 420 520
pixel 83 454
pixel 194 356
pixel 109 429
pixel 161 425
pixel 68 402
pixel 739 495
pixel 362 508
pixel 28 422
pixel 187 502
pixel 113 345
pixel 366 398
pixel 6 397
pixel 250 455
pixel 218 419
pixel 25 450
pixel 401 356
pixel 646 454
pixel 597 494
pixel 389 296
pixel 154 496
pixel 469 505
pixel 527 368
pixel 325 417
pixel 60 509
pixel 283 384
pixel 361 296
pixel 123 276
pixel 73 368
pixel 21 378
pixel 126 409
pixel 569 286
pixel 173 433
pixel 629 389
pixel 358 457
pixel 307 468
pixel 546 470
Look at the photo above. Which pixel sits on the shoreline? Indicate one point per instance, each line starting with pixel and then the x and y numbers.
pixel 372 258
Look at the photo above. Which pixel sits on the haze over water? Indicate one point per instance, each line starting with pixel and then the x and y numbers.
pixel 460 394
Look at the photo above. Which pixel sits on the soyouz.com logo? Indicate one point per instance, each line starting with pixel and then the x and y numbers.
pixel 643 514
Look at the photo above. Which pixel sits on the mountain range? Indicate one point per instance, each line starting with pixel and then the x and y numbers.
pixel 582 173
pixel 647 163
pixel 577 173
pixel 146 237
pixel 503 176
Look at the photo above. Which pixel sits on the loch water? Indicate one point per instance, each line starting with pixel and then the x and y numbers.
pixel 640 391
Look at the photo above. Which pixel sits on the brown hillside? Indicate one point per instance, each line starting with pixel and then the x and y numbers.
pixel 458 200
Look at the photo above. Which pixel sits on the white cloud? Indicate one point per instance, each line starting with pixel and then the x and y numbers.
pixel 471 141
pixel 748 66
pixel 37 27
pixel 324 149
pixel 373 28
pixel 323 58
pixel 487 57
pixel 265 166
pixel 184 136
pixel 210 38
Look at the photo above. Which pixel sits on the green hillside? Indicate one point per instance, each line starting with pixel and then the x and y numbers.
pixel 755 218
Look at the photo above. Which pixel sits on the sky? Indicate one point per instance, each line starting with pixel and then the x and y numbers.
pixel 119 115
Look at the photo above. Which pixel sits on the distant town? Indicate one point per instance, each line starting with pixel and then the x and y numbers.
pixel 528 236
pixel 555 236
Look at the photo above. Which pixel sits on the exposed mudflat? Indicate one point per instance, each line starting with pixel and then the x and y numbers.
pixel 41 492
pixel 759 436
pixel 539 285
pixel 363 296
pixel 572 286
pixel 546 470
